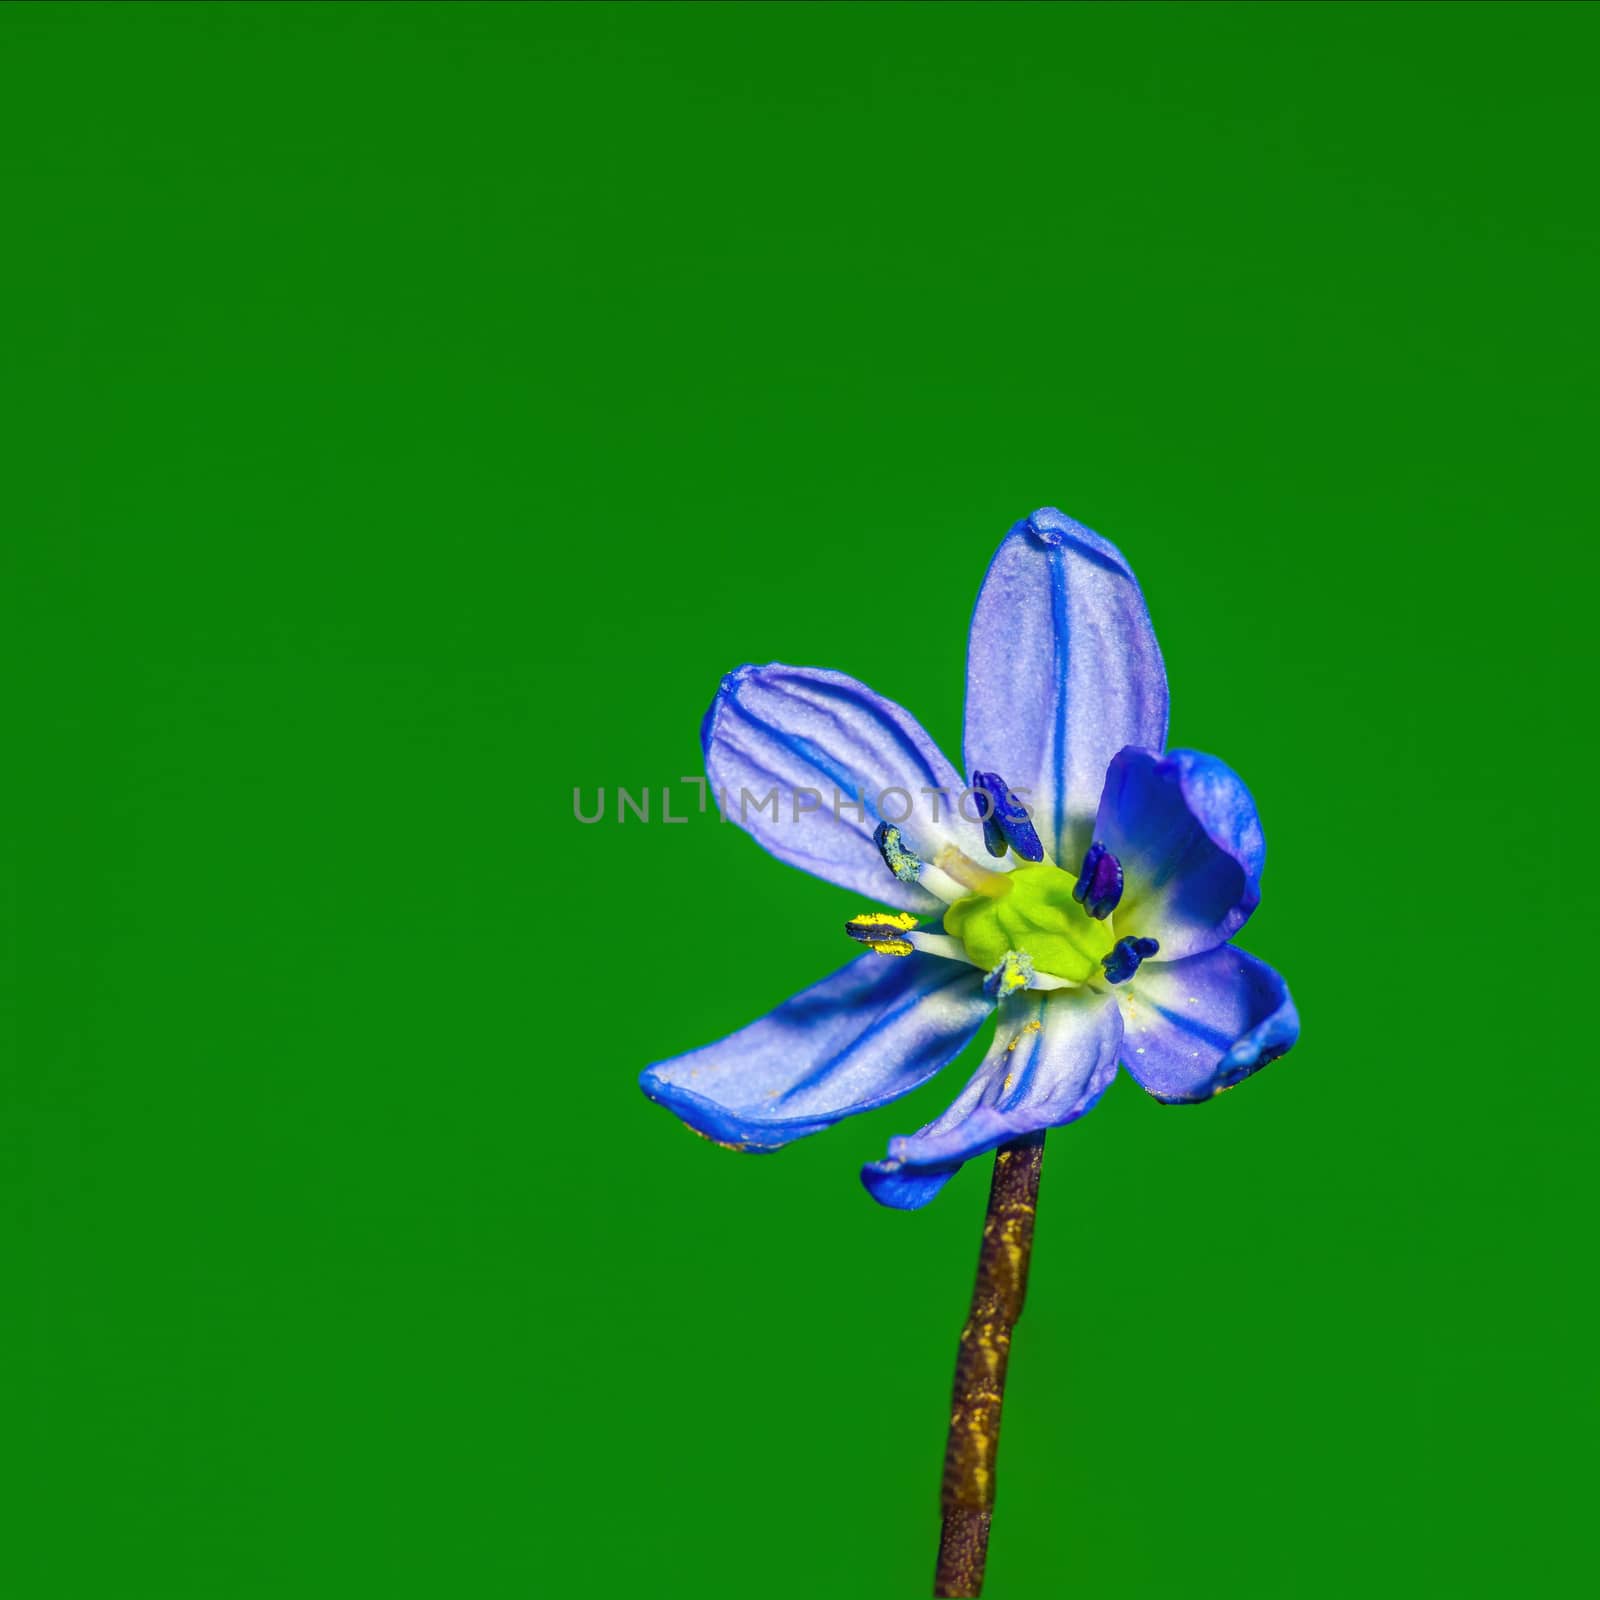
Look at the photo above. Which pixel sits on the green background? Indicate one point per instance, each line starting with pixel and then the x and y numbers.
pixel 409 412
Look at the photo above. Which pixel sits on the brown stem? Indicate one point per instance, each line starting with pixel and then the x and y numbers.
pixel 967 1498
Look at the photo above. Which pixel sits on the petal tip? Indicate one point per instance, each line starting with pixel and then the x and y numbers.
pixel 891 1186
pixel 1056 530
pixel 705 1117
pixel 731 680
pixel 726 688
pixel 1050 526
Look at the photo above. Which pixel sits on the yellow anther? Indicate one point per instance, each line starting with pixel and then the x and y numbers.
pixel 1014 972
pixel 877 931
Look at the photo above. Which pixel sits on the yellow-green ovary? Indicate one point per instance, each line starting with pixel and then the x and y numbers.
pixel 1032 909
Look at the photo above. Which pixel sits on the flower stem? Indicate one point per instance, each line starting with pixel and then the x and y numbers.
pixel 967 1498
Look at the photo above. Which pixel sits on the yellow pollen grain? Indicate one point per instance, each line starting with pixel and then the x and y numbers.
pixel 721 1143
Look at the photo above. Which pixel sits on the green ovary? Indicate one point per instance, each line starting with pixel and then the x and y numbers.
pixel 1032 910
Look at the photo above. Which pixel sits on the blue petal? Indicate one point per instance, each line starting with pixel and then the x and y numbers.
pixel 868 1034
pixel 1052 1057
pixel 1063 670
pixel 787 730
pixel 1186 831
pixel 1191 1029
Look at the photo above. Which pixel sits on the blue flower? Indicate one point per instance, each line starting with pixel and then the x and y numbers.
pixel 1086 883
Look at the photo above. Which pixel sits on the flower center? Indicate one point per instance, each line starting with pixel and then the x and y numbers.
pixel 1031 909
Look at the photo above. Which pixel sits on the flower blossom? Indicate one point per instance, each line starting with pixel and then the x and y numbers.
pixel 1085 884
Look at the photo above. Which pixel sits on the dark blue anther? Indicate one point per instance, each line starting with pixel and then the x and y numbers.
pixel 879 928
pixel 1005 819
pixel 902 861
pixel 1099 885
pixel 1124 960
pixel 994 836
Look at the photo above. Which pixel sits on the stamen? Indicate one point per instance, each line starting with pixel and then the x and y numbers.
pixel 1014 972
pixel 1005 819
pixel 1099 886
pixel 939 944
pixel 902 861
pixel 1125 957
pixel 881 931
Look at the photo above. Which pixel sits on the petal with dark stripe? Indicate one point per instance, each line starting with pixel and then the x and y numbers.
pixel 1192 1028
pixel 789 749
pixel 1185 829
pixel 1052 1057
pixel 1063 671
pixel 869 1033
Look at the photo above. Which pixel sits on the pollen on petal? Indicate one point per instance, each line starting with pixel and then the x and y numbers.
pixel 1099 886
pixel 901 860
pixel 1126 956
